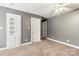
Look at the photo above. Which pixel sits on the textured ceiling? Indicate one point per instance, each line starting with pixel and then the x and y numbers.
pixel 46 10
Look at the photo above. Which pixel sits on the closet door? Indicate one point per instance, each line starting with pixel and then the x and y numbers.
pixel 44 29
pixel 13 30
pixel 35 29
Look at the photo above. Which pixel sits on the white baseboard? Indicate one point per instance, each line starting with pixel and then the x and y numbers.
pixel 67 44
pixel 26 43
pixel 1 49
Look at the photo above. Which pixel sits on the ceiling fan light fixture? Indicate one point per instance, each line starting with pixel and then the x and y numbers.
pixel 61 10
pixel 58 11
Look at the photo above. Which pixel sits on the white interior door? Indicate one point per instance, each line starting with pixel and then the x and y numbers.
pixel 35 29
pixel 13 30
pixel 44 29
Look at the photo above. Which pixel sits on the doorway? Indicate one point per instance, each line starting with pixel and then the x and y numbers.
pixel 35 29
pixel 44 29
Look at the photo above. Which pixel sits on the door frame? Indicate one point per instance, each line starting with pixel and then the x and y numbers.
pixel 7 24
pixel 40 29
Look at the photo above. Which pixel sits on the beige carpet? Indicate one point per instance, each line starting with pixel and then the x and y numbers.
pixel 44 48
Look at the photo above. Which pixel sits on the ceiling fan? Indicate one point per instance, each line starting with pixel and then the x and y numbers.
pixel 60 8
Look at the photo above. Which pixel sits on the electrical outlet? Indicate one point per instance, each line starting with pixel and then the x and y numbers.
pixel 53 37
pixel 25 39
pixel 68 40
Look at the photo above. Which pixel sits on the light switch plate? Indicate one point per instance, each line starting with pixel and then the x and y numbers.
pixel 28 28
pixel 1 27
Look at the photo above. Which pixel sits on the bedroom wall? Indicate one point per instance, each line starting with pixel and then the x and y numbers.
pixel 65 27
pixel 25 23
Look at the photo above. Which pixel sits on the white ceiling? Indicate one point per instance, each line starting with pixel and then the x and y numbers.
pixel 43 9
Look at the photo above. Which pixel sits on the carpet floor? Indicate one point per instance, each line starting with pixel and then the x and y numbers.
pixel 43 48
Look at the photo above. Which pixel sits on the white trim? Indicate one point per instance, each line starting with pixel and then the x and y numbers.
pixel 67 44
pixel 1 49
pixel 26 43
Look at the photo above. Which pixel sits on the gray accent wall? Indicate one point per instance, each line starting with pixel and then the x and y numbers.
pixel 25 23
pixel 65 28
